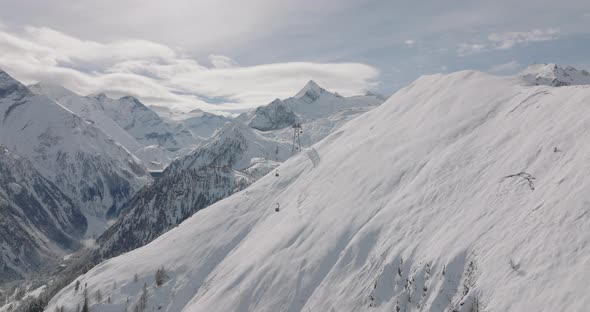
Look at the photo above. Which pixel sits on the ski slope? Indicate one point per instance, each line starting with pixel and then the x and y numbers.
pixel 463 192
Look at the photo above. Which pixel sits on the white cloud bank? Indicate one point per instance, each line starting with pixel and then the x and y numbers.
pixel 160 75
pixel 508 40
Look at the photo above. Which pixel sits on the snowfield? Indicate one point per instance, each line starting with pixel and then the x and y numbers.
pixel 463 192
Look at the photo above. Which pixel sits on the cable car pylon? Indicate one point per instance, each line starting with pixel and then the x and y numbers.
pixel 296 138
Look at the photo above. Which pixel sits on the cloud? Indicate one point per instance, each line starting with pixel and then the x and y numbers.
pixel 161 75
pixel 220 61
pixel 468 49
pixel 508 40
pixel 410 42
pixel 505 68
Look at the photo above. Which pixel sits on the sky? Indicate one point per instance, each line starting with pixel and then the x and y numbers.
pixel 230 55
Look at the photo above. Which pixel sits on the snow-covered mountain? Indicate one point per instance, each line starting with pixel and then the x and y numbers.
pixel 93 170
pixel 463 192
pixel 234 146
pixel 235 157
pixel 89 109
pixel 203 124
pixel 553 75
pixel 146 125
pixel 311 103
pixel 230 161
pixel 163 205
pixel 140 130
pixel 38 223
pixel 315 130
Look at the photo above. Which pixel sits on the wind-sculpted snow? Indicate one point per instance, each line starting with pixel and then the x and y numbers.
pixel 38 223
pixel 409 207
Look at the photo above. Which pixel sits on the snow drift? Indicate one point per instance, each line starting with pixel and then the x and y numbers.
pixel 464 192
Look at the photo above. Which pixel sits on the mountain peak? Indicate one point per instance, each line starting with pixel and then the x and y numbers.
pixel 311 91
pixel 555 76
pixel 9 85
pixel 102 96
pixel 51 90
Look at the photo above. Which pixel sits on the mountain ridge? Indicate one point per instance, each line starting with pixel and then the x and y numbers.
pixel 422 224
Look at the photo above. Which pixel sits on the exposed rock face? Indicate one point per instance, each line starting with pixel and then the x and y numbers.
pixel 92 169
pixel 555 76
pixel 38 222
pixel 311 103
pixel 275 115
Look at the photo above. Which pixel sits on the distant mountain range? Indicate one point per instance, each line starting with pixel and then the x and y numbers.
pixel 88 157
pixel 233 158
pixel 89 166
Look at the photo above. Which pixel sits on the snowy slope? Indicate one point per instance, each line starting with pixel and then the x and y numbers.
pixel 315 130
pixel 235 157
pixel 311 103
pixel 38 223
pixel 461 190
pixel 163 205
pixel 234 145
pixel 91 168
pixel 230 161
pixel 145 125
pixel 553 75
pixel 202 124
pixel 155 157
pixel 90 110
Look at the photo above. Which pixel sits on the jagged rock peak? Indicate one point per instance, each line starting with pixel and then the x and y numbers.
pixel 311 90
pixel 555 76
pixel 9 85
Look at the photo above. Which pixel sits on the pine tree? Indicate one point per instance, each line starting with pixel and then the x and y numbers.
pixel 161 276
pixel 98 296
pixel 142 303
pixel 85 305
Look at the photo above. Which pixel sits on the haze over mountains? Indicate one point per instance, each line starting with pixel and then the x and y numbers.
pixel 449 196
